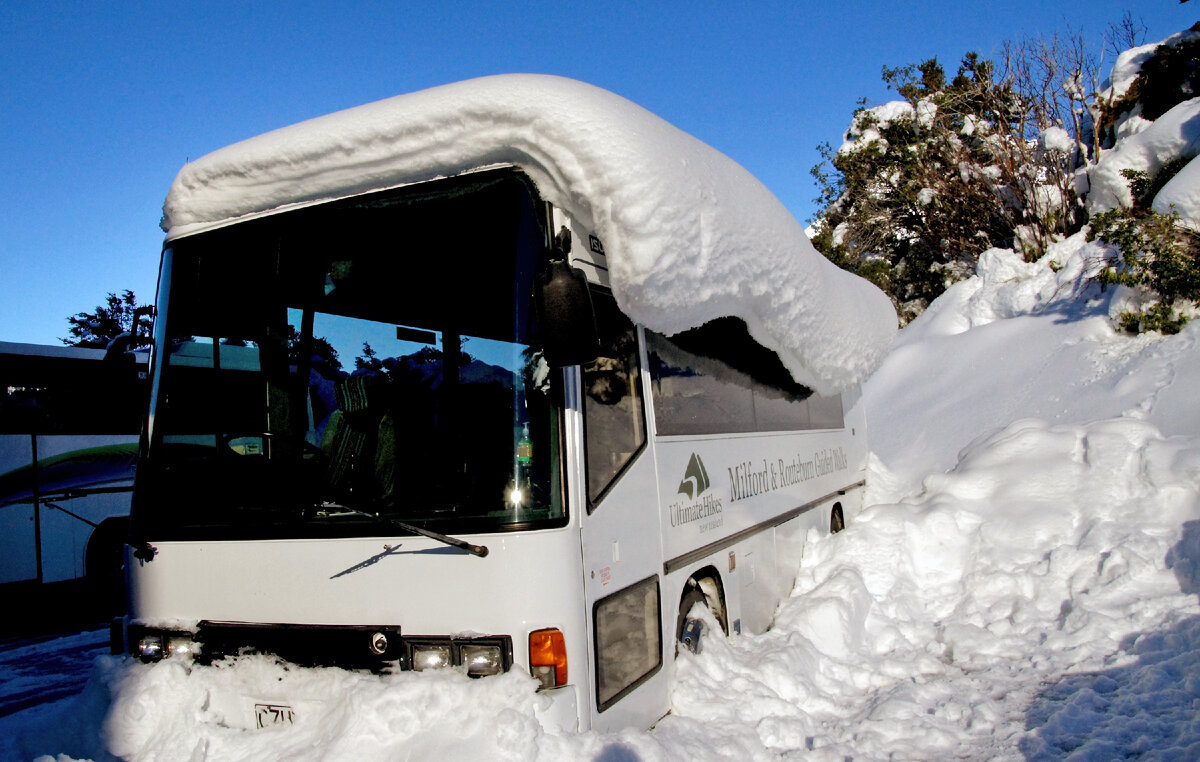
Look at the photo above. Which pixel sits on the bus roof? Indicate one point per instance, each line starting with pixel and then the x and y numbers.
pixel 689 234
pixel 49 350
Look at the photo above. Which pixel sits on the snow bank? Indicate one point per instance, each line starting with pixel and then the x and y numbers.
pixel 690 235
pixel 926 628
pixel 1127 67
pixel 1022 340
pixel 1181 195
pixel 1174 134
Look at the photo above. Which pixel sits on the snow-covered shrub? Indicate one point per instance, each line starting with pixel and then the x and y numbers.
pixel 1017 155
pixel 1167 74
pixel 1153 254
pixel 921 187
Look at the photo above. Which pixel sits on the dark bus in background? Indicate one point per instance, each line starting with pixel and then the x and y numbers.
pixel 69 425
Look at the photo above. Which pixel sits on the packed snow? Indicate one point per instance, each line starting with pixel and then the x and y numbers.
pixel 690 235
pixel 1146 146
pixel 1175 134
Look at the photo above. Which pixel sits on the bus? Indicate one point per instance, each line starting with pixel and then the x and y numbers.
pixel 69 426
pixel 406 419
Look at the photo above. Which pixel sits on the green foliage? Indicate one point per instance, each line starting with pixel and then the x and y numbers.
pixel 1144 188
pixel 914 196
pixel 1153 252
pixel 320 351
pixel 95 330
pixel 911 202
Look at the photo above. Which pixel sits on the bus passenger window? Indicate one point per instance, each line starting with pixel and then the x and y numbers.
pixel 628 640
pixel 716 379
pixel 614 418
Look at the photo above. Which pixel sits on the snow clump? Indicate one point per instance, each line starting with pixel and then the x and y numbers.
pixel 690 235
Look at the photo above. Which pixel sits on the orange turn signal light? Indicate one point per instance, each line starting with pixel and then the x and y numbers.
pixel 548 657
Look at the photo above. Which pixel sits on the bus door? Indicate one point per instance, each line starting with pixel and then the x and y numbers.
pixel 622 550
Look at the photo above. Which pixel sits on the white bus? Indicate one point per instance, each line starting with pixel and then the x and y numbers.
pixel 406 423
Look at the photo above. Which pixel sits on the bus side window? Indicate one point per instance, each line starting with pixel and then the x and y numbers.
pixel 716 379
pixel 614 416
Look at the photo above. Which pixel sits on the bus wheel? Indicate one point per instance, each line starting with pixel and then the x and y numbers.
pixel 837 522
pixel 688 629
pixel 104 565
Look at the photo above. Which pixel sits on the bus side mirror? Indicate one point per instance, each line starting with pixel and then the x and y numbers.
pixel 120 348
pixel 567 321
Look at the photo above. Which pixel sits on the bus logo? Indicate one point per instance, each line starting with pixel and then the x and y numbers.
pixel 695 479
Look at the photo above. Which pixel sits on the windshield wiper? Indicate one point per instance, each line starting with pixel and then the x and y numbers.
pixel 479 550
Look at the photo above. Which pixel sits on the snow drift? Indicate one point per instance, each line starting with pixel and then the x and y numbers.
pixel 1175 134
pixel 1147 145
pixel 1023 586
pixel 690 235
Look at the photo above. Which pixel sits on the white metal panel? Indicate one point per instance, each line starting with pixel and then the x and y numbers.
pixel 528 581
pixel 621 546
pixel 751 479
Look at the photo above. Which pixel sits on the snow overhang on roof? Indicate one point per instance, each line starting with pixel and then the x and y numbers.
pixel 689 234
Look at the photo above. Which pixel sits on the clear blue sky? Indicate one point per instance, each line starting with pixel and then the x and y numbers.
pixel 104 101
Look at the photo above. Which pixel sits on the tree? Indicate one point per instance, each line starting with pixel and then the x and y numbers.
pixel 995 157
pixel 921 187
pixel 319 350
pixel 118 315
pixel 369 359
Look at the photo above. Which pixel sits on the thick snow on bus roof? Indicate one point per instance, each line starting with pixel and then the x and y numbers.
pixel 690 235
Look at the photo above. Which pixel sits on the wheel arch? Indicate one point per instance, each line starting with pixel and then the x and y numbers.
pixel 708 581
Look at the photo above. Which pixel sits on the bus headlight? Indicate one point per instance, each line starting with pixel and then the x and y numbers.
pixel 478 657
pixel 155 646
pixel 482 660
pixel 150 647
pixel 430 656
pixel 180 645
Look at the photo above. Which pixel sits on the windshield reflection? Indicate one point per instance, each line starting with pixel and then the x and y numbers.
pixel 311 392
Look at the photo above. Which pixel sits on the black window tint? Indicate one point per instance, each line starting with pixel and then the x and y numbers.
pixel 614 417
pixel 717 380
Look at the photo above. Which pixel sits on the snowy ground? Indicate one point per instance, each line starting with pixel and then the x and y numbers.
pixel 1024 585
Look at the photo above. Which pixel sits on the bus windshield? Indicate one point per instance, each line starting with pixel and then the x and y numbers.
pixel 326 370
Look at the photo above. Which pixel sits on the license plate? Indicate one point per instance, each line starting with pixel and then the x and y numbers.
pixel 269 715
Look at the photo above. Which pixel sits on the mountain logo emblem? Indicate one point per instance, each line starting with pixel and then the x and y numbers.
pixel 695 478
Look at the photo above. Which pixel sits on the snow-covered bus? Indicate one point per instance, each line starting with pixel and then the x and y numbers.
pixel 504 375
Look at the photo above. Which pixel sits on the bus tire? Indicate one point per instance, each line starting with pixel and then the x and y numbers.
pixel 687 630
pixel 837 521
pixel 104 565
